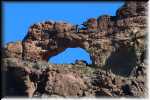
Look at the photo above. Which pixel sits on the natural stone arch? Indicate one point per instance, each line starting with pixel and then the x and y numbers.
pixel 49 38
pixel 100 47
pixel 43 41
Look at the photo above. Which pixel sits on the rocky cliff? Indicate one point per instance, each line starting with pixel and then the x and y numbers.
pixel 117 45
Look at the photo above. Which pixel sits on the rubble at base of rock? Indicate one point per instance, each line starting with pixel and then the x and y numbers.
pixel 116 45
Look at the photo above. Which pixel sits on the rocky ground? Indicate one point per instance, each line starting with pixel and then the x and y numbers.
pixel 117 45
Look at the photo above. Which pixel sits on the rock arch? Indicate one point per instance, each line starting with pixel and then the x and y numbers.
pixel 50 38
pixel 113 40
pixel 44 40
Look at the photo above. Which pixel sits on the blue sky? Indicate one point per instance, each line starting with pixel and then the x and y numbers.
pixel 19 16
pixel 70 55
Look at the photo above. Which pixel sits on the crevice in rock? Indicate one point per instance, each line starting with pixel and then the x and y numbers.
pixel 122 61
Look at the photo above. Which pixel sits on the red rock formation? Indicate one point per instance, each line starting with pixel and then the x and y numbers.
pixel 115 43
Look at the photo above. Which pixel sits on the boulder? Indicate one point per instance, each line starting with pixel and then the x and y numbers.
pixel 62 27
pixel 13 50
pixel 68 84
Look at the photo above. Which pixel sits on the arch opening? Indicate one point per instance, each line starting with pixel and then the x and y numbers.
pixel 71 56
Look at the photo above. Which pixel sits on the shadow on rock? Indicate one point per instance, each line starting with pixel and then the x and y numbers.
pixel 122 61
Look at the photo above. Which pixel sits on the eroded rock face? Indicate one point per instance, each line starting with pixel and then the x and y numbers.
pixel 64 84
pixel 116 45
pixel 104 36
pixel 132 8
pixel 62 27
pixel 30 79
pixel 108 84
pixel 13 50
pixel 25 78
